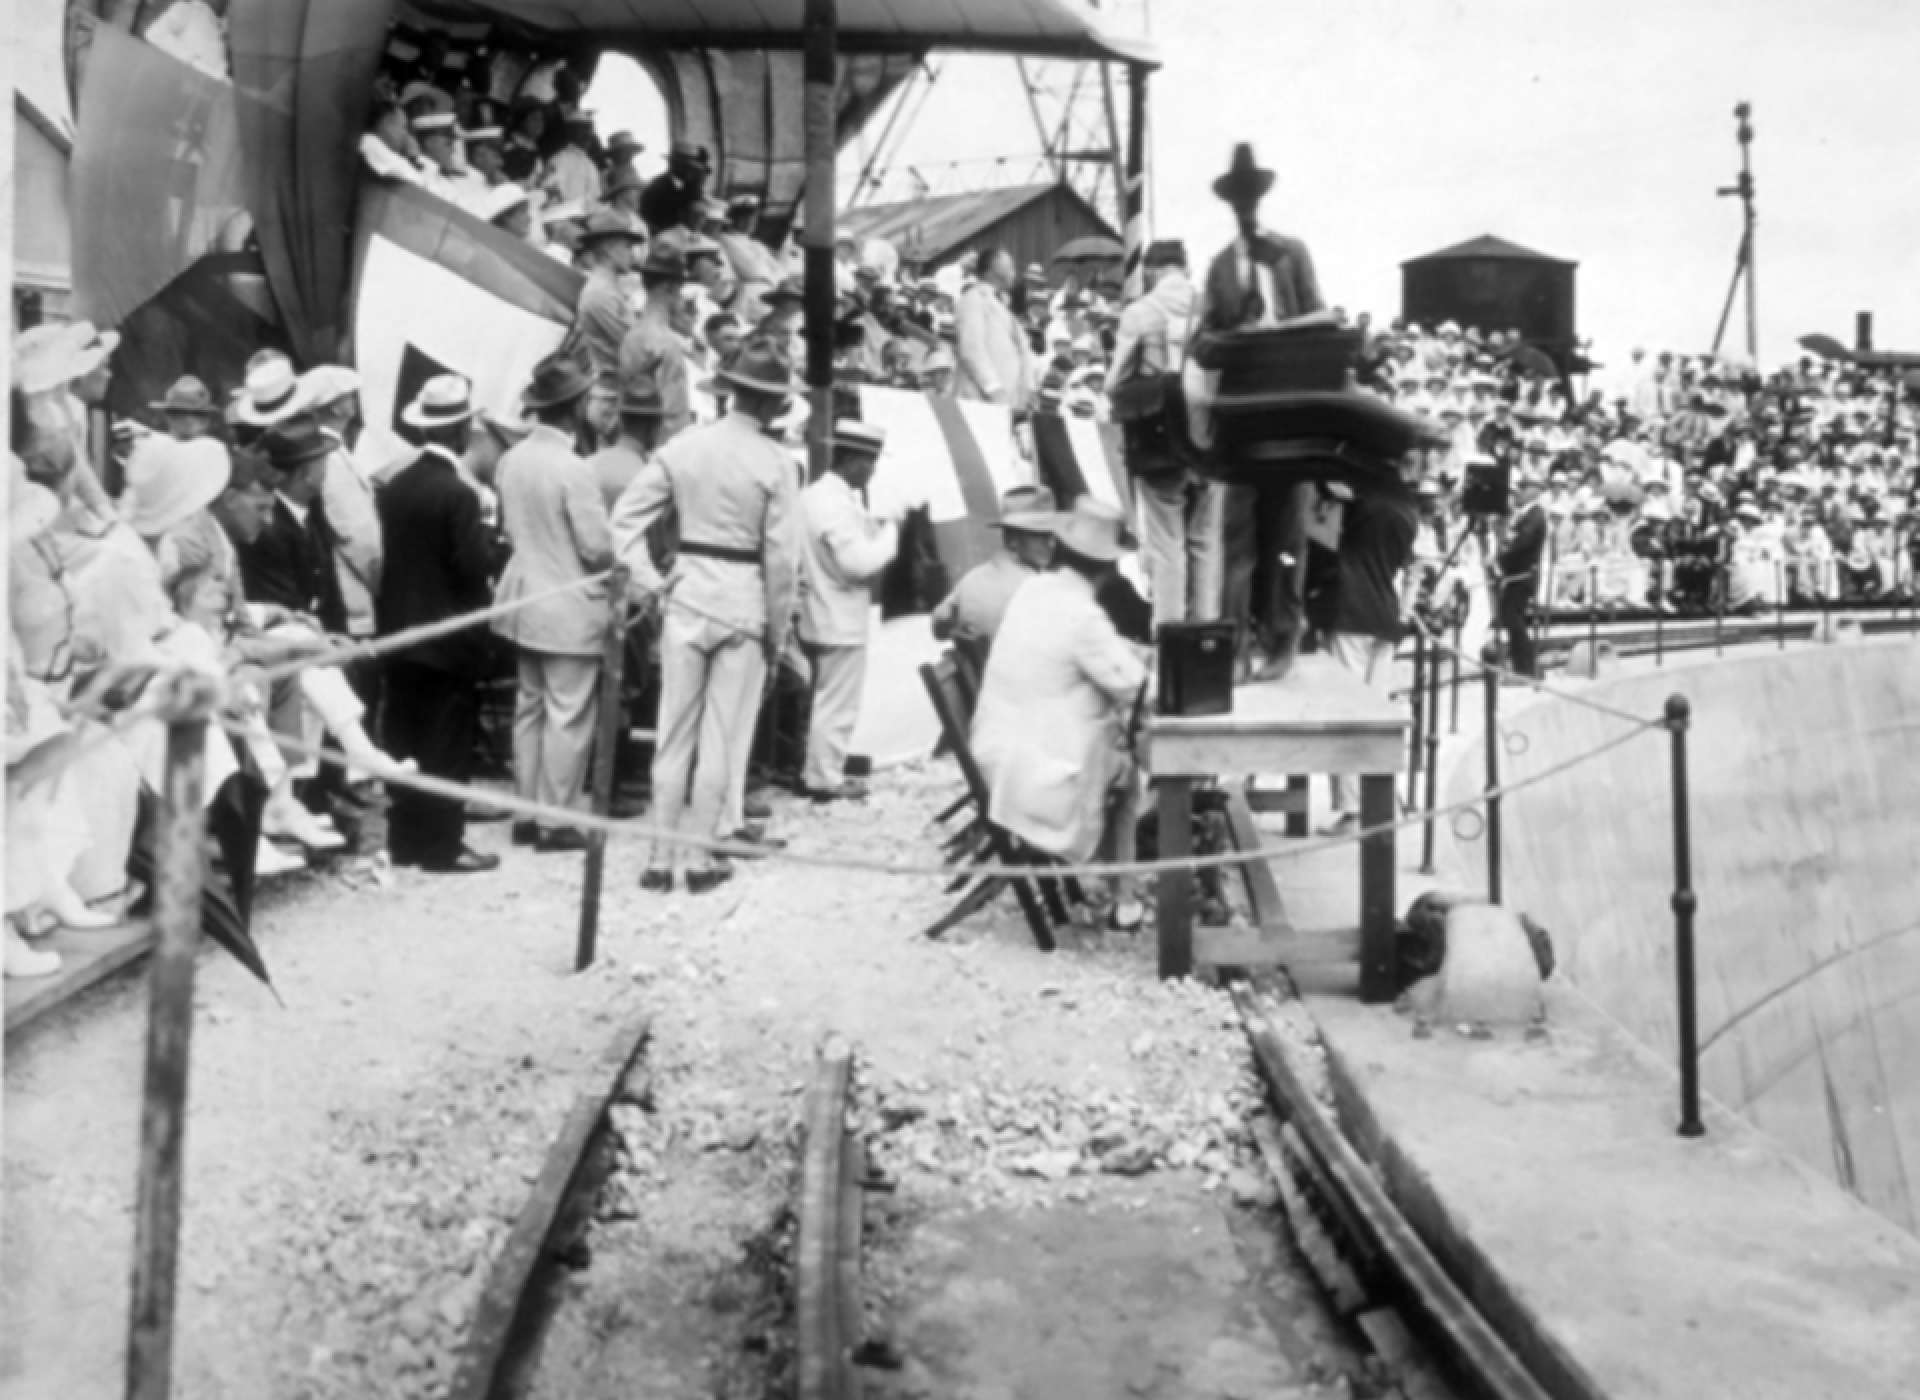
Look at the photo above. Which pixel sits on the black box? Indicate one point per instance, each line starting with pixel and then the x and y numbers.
pixel 1196 668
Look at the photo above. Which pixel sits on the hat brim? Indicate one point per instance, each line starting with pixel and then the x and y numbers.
pixel 412 416
pixel 1030 522
pixel 184 410
pixel 727 379
pixel 1243 184
pixel 205 481
pixel 573 393
pixel 299 402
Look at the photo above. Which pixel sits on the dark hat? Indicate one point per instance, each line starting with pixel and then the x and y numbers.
pixel 187 395
pixel 1166 252
pixel 790 289
pixel 640 398
pixel 292 443
pixel 622 141
pixel 760 368
pixel 687 151
pixel 558 379
pixel 612 223
pixel 664 259
pixel 1245 178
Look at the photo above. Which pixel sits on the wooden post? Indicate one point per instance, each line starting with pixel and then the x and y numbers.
pixel 606 747
pixel 1133 184
pixel 820 68
pixel 1174 906
pixel 181 862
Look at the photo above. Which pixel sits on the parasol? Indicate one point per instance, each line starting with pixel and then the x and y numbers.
pixel 1092 248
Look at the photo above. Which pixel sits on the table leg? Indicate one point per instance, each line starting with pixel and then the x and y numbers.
pixel 1297 822
pixel 1376 888
pixel 1175 898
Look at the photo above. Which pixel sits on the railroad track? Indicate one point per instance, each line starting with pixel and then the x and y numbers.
pixel 826 1267
pixel 1378 1274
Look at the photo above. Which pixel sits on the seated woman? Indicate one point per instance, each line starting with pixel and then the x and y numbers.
pixel 1051 729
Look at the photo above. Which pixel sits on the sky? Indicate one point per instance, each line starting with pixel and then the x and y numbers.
pixel 1596 132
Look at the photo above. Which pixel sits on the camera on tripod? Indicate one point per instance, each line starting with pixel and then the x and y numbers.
pixel 1487 488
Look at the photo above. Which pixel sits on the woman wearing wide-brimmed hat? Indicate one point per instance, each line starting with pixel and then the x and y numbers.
pixel 1060 691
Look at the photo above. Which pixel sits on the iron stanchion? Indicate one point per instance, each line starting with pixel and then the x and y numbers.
pixel 1489 658
pixel 1663 595
pixel 1433 765
pixel 606 747
pixel 1685 903
pixel 1720 612
pixel 1453 704
pixel 1780 604
pixel 187 706
pixel 1418 693
pixel 1593 615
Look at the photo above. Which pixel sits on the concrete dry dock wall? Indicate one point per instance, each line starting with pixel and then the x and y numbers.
pixel 1806 818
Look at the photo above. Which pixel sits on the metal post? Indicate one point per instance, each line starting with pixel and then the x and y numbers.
pixel 1453 723
pixel 1593 615
pixel 1685 904
pixel 181 861
pixel 1489 658
pixel 820 67
pixel 606 752
pixel 1663 599
pixel 1433 764
pixel 1133 190
pixel 1720 612
pixel 1418 692
pixel 1780 603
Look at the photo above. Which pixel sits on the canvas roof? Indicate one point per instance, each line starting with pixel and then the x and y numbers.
pixel 926 230
pixel 1487 246
pixel 1041 28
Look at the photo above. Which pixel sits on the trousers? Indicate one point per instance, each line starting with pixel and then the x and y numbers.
pixel 839 677
pixel 711 678
pixel 1180 540
pixel 1264 543
pixel 433 718
pixel 1516 605
pixel 1369 658
pixel 554 714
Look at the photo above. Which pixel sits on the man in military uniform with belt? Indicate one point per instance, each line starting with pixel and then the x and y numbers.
pixel 728 602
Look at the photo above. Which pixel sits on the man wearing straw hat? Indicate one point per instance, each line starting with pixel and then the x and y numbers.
pixel 188 409
pixel 729 601
pixel 440 557
pixel 847 548
pixel 553 513
pixel 970 615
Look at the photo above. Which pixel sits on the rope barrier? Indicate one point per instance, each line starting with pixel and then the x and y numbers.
pixel 426 632
pixel 587 821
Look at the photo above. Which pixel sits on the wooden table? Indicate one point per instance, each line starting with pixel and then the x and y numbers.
pixel 1320 719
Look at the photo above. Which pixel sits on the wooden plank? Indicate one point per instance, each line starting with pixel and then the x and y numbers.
pixel 1252 947
pixel 1317 1247
pixel 824 1368
pixel 1377 878
pixel 498 1315
pixel 1291 798
pixel 87 958
pixel 1274 749
pixel 1318 691
pixel 1452 1319
pixel 1174 899
pixel 1262 890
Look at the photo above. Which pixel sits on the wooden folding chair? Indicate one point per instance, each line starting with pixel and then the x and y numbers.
pixel 968 662
pixel 1040 899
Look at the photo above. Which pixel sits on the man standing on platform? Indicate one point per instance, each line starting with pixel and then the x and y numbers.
pixel 440 556
pixel 653 352
pixel 1260 280
pixel 1376 544
pixel 729 601
pixel 995 360
pixel 552 510
pixel 1518 566
pixel 604 315
pixel 846 550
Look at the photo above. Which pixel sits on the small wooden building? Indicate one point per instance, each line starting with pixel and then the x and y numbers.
pixel 1495 285
pixel 1030 221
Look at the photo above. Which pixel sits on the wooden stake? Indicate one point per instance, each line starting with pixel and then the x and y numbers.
pixel 821 69
pixel 181 861
pixel 613 657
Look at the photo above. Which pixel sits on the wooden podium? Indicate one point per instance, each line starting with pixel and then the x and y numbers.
pixel 1320 718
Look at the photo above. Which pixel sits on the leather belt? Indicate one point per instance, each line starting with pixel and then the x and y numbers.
pixel 729 553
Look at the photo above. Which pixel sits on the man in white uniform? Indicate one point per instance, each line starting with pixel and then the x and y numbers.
pixel 846 550
pixel 729 602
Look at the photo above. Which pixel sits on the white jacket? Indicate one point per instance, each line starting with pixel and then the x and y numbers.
pixel 846 550
pixel 1050 727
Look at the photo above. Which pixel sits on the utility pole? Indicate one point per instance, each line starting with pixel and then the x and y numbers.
pixel 1744 261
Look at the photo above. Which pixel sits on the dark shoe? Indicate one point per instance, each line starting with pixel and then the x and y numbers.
pixel 846 792
pixel 468 862
pixel 700 881
pixel 657 881
pixel 756 809
pixel 524 833
pixel 753 834
pixel 564 838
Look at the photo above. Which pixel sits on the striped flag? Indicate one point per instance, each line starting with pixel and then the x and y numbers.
pixel 1081 457
pixel 436 289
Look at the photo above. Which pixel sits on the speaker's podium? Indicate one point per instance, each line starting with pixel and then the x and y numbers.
pixel 1285 414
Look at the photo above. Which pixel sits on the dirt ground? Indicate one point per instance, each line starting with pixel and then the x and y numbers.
pixel 1073 1210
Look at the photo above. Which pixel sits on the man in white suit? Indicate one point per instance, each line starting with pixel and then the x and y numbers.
pixel 552 510
pixel 1050 729
pixel 847 548
pixel 995 359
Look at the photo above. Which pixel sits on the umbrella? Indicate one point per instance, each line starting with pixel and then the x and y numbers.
pixel 1093 248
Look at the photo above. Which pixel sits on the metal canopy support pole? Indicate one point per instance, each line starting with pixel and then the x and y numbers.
pixel 1133 187
pixel 163 1115
pixel 821 68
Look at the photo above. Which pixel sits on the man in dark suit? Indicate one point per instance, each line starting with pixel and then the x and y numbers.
pixel 290 563
pixel 1518 563
pixel 440 557
pixel 1259 280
